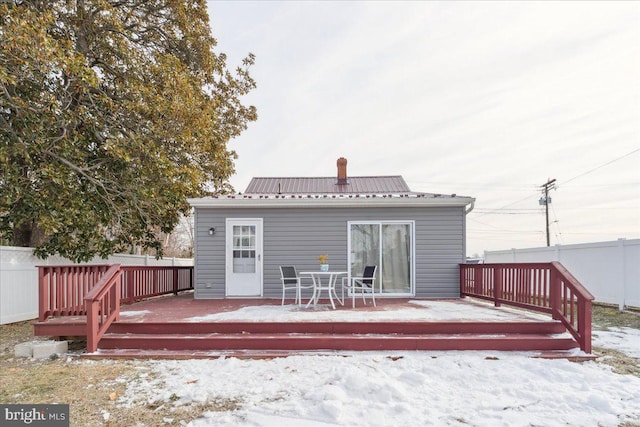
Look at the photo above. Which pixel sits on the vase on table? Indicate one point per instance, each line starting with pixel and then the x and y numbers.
pixel 324 262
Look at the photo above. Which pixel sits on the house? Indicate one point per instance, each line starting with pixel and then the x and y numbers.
pixel 416 239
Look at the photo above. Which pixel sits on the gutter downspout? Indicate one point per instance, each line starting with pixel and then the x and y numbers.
pixel 470 208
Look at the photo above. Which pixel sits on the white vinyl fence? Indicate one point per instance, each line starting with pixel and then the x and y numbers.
pixel 19 278
pixel 609 270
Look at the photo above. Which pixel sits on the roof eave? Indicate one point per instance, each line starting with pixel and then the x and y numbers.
pixel 328 201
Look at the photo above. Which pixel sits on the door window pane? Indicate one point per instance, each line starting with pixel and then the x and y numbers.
pixel 365 248
pixel 396 258
pixel 244 253
pixel 387 246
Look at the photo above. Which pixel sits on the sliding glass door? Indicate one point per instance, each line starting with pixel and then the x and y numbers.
pixel 389 246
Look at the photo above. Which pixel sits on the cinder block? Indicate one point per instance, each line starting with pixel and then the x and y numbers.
pixel 44 349
pixel 24 350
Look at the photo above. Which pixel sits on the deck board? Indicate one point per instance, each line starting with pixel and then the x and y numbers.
pixel 183 324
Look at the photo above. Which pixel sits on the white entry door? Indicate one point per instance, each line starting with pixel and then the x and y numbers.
pixel 244 257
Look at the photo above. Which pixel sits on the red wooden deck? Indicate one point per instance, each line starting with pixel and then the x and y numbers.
pixel 177 326
pixel 87 301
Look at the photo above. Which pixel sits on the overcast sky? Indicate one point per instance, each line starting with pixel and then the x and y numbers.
pixel 482 99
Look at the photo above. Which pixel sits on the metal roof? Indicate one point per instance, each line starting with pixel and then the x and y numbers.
pixel 314 192
pixel 328 185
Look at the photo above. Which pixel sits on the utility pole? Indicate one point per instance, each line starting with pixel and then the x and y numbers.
pixel 549 185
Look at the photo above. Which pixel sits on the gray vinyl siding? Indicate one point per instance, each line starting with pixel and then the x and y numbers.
pixel 296 236
pixel 209 255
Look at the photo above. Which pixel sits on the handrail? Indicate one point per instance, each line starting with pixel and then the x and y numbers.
pixel 544 287
pixel 103 306
pixel 572 295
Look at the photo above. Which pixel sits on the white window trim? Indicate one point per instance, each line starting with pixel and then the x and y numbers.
pixel 229 223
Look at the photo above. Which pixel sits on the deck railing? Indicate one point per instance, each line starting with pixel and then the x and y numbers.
pixel 62 289
pixel 98 290
pixel 145 282
pixel 103 306
pixel 543 287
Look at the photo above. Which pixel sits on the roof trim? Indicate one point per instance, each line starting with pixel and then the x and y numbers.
pixel 330 200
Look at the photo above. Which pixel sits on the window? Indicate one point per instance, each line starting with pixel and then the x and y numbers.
pixel 244 248
pixel 387 244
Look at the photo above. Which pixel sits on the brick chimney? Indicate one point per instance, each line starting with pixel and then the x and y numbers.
pixel 342 171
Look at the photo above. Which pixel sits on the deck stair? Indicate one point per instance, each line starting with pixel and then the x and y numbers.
pixel 333 336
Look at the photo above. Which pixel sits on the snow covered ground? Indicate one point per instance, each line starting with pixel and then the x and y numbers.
pixel 400 388
pixel 443 310
pixel 626 340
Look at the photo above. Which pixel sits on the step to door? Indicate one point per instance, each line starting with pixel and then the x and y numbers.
pixel 71 326
pixel 385 327
pixel 272 354
pixel 352 342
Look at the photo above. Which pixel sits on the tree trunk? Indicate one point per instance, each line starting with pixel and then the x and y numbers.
pixel 28 235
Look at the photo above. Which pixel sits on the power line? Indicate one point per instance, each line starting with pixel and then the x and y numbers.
pixel 510 209
pixel 557 223
pixel 509 204
pixel 601 166
pixel 511 213
pixel 506 232
pixel 481 213
pixel 497 229
pixel 609 185
pixel 474 184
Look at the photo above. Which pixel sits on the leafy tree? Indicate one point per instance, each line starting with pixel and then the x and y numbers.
pixel 112 113
pixel 180 242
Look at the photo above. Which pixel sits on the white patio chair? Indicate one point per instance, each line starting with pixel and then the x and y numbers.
pixel 291 280
pixel 365 285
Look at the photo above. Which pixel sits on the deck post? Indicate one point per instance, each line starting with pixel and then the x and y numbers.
pixel 125 284
pixel 155 281
pixel 131 281
pixel 584 325
pixel 555 296
pixel 497 285
pixel 92 326
pixel 175 281
pixel 41 294
pixel 477 281
pixel 117 299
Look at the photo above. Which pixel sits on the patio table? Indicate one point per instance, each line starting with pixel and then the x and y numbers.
pixel 329 285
